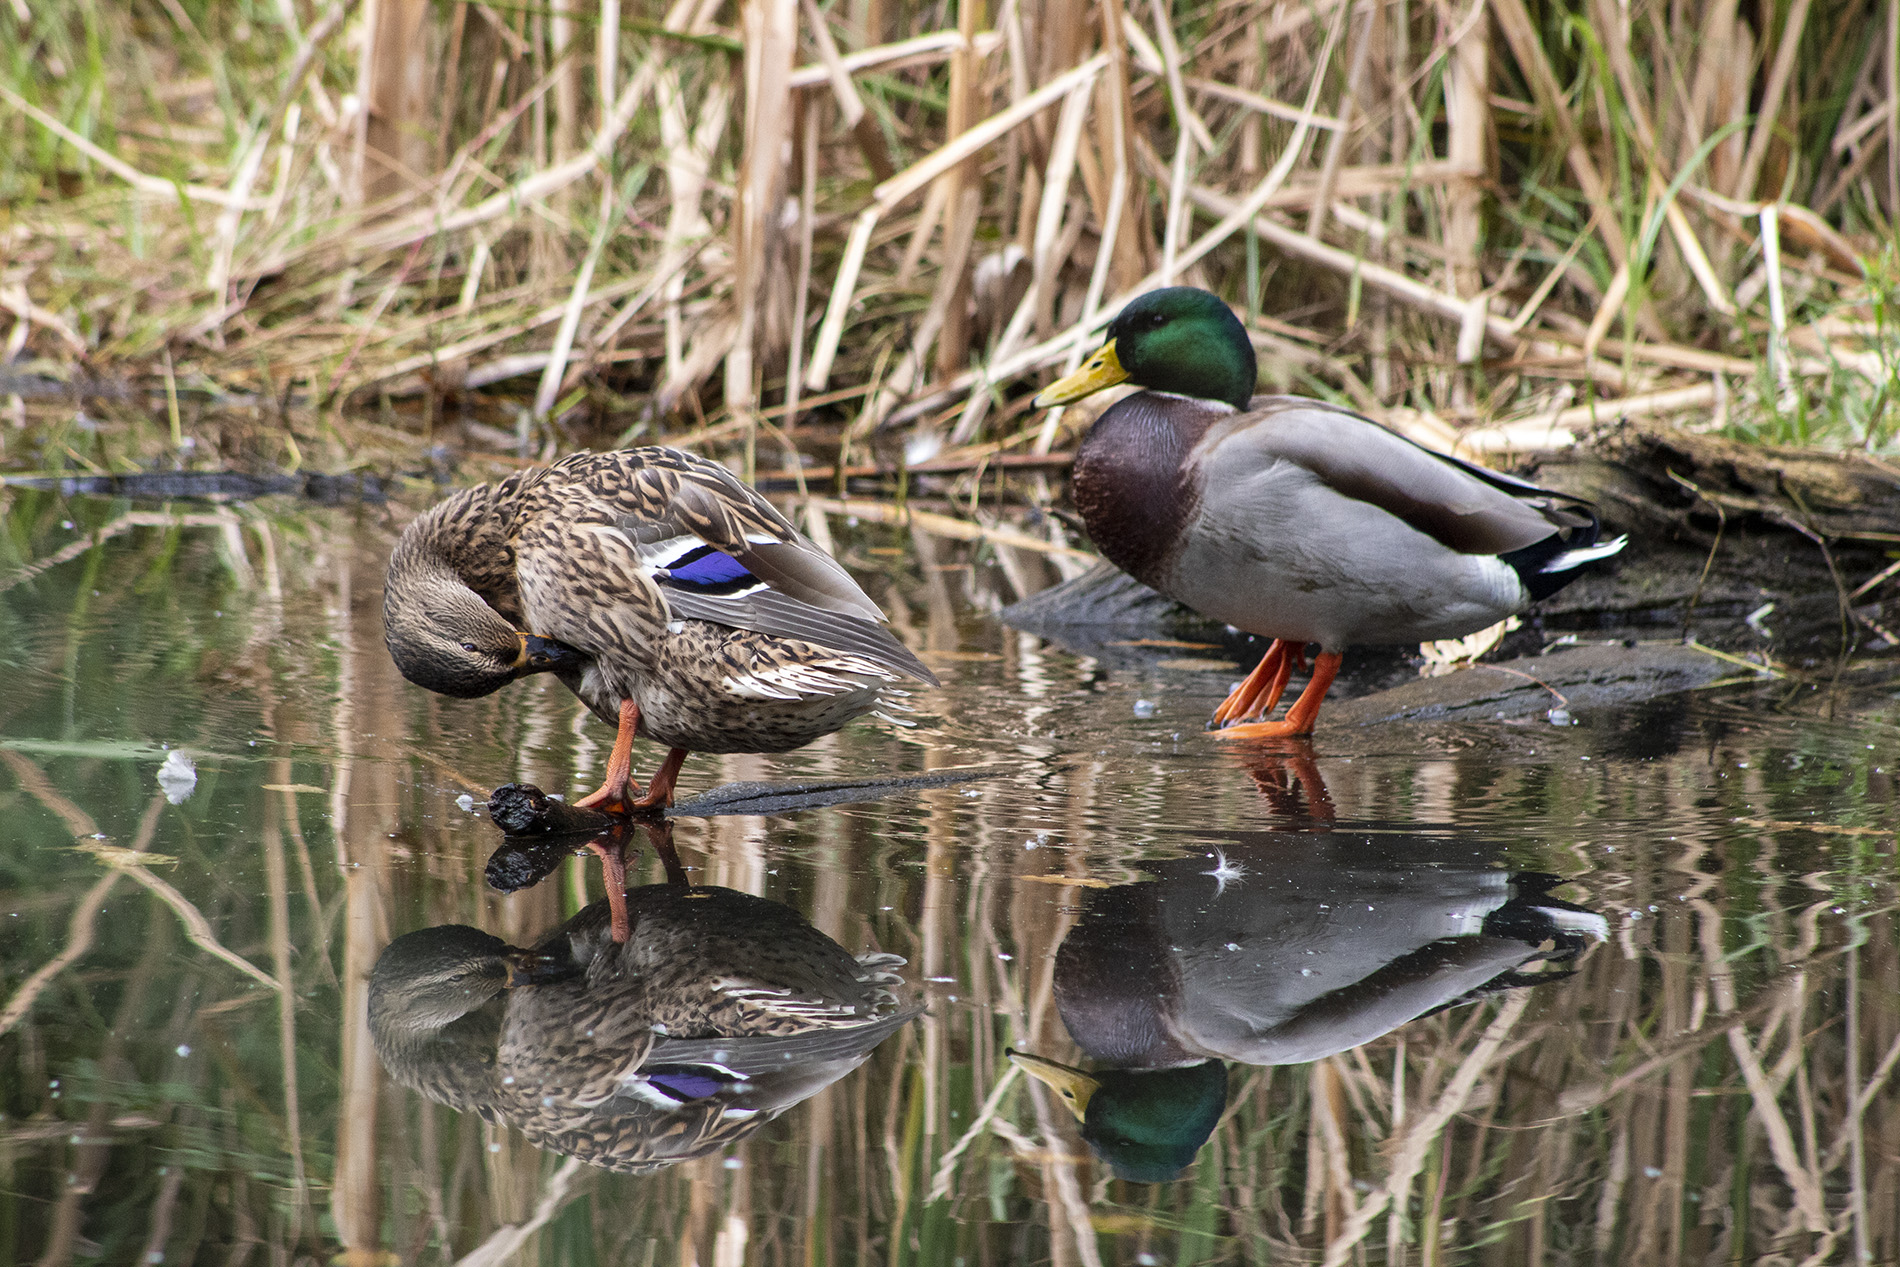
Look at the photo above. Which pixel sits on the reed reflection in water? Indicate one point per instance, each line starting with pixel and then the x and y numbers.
pixel 187 1067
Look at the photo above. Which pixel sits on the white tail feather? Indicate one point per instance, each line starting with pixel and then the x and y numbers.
pixel 1570 559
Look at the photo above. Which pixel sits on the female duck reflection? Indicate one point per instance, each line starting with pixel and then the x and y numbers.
pixel 1278 949
pixel 721 1011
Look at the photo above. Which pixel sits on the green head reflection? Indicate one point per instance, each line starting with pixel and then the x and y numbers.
pixel 1146 1124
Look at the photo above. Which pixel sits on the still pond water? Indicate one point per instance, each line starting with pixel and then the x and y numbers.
pixel 1625 990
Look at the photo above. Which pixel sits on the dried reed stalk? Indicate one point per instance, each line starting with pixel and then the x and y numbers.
pixel 439 234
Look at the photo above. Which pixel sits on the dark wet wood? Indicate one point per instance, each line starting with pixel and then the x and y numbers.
pixel 1104 598
pixel 522 809
pixel 788 797
pixel 1569 679
pixel 520 861
pixel 1800 528
pixel 212 486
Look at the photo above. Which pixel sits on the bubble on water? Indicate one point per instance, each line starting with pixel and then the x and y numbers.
pixel 465 803
pixel 1144 708
pixel 1558 716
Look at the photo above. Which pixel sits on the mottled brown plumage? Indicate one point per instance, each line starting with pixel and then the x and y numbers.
pixel 674 600
pixel 721 1011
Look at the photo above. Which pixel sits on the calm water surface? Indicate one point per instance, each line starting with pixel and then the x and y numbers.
pixel 1624 990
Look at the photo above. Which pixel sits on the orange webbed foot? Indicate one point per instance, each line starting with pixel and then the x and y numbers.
pixel 1285 728
pixel 1300 717
pixel 1259 692
pixel 659 793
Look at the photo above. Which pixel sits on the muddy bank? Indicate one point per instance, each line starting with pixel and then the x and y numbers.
pixel 1567 679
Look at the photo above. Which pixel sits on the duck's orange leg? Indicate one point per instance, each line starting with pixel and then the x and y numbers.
pixel 611 849
pixel 618 788
pixel 1259 691
pixel 660 790
pixel 1299 718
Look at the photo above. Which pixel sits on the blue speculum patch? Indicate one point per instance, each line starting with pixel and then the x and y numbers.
pixel 684 1084
pixel 711 571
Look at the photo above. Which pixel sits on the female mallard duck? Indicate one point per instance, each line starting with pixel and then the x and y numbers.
pixel 1294 519
pixel 1277 949
pixel 672 598
pixel 719 1013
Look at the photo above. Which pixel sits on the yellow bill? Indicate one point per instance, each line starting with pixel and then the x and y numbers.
pixel 1074 1086
pixel 1104 369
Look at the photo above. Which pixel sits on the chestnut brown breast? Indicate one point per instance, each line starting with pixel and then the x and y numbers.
pixel 1131 484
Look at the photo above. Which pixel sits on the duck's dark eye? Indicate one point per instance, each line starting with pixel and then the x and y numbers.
pixel 471 647
pixel 1158 319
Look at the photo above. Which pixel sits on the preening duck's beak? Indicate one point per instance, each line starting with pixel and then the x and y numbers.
pixel 526 968
pixel 1074 1086
pixel 539 654
pixel 1104 369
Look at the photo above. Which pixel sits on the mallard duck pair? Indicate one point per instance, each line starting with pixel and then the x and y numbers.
pixel 719 1013
pixel 681 606
pixel 1293 519
pixel 672 598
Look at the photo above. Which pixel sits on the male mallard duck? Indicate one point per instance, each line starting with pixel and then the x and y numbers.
pixel 1294 519
pixel 673 599
pixel 719 1013
pixel 1276 949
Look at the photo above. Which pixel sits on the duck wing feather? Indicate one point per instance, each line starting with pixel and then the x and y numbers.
pixel 762 1055
pixel 1464 507
pixel 717 551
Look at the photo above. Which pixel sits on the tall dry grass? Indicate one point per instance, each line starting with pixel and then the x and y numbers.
pixel 629 220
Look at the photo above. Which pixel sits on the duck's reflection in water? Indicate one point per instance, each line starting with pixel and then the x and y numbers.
pixel 1276 949
pixel 719 1012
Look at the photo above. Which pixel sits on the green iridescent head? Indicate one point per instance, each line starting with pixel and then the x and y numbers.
pixel 1179 339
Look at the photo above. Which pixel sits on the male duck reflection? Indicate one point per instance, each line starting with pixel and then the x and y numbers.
pixel 1277 950
pixel 719 1013
pixel 1294 519
pixel 673 599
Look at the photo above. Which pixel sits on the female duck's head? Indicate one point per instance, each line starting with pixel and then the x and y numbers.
pixel 1179 339
pixel 444 637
